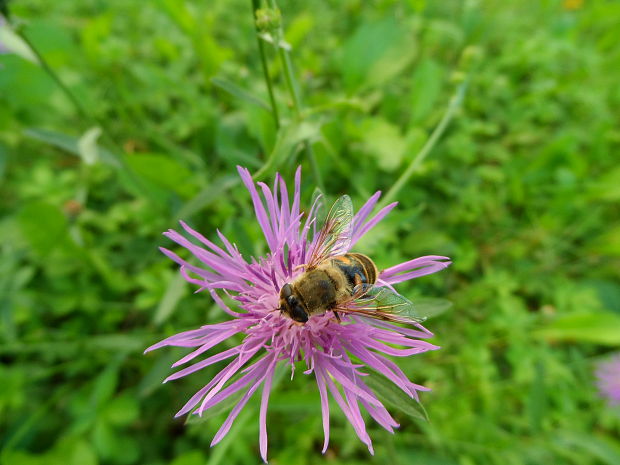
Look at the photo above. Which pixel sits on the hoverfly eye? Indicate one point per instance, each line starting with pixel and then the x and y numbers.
pixel 286 291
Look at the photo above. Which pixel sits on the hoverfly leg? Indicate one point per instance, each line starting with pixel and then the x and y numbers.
pixel 337 317
pixel 361 290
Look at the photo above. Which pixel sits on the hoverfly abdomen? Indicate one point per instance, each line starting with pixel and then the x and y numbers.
pixel 357 268
pixel 369 267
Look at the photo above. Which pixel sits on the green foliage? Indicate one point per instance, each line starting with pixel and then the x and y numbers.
pixel 390 395
pixel 600 328
pixel 134 116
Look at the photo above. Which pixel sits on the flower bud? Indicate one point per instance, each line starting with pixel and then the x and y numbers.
pixel 470 57
pixel 268 19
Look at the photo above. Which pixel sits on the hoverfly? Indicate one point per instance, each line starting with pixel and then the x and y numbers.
pixel 341 282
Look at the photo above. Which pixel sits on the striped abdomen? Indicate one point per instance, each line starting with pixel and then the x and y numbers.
pixel 357 268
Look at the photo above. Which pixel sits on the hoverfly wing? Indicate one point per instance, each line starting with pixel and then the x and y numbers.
pixel 386 301
pixel 382 303
pixel 431 307
pixel 334 237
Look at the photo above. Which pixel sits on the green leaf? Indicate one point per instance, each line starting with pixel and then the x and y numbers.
pixel 376 52
pixel 70 144
pixel 164 172
pixel 425 89
pixel 299 27
pixel 4 156
pixel 121 411
pixel 288 139
pixel 598 328
pixel 221 454
pixel 536 401
pixel 113 445
pixel 15 44
pixel 87 146
pixel 104 439
pixel 175 289
pixel 291 401
pixel 608 243
pixel 106 383
pixel 259 124
pixel 239 92
pixel 392 395
pixel 383 141
pixel 193 457
pixel 44 226
pixel 180 14
pixel 160 369
pixel 608 293
pixel 606 187
pixel 117 342
pixel 69 450
pixel 74 451
pixel 605 450
pixel 127 176
pixel 207 196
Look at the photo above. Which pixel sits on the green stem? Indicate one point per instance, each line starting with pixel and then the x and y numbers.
pixel 287 66
pixel 35 418
pixel 293 89
pixel 289 77
pixel 263 59
pixel 454 104
pixel 314 165
pixel 47 68
pixel 65 89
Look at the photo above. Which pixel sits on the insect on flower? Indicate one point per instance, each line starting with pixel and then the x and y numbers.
pixel 340 334
pixel 342 283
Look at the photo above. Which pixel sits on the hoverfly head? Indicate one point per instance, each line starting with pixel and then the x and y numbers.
pixel 291 306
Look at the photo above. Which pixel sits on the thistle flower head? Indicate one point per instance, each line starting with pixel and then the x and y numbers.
pixel 335 353
pixel 608 379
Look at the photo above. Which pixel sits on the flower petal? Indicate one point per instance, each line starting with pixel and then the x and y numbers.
pixel 414 268
pixel 262 417
pixel 320 381
pixel 363 229
pixel 259 377
pixel 259 208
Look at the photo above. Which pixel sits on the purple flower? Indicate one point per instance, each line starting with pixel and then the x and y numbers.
pixel 608 379
pixel 333 352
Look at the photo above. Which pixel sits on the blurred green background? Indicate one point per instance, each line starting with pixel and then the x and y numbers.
pixel 164 97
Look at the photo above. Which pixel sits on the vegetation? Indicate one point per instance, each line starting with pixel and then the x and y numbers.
pixel 122 117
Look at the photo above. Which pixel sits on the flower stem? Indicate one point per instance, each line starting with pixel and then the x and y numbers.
pixel 293 90
pixel 455 103
pixel 289 77
pixel 82 111
pixel 48 69
pixel 263 59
